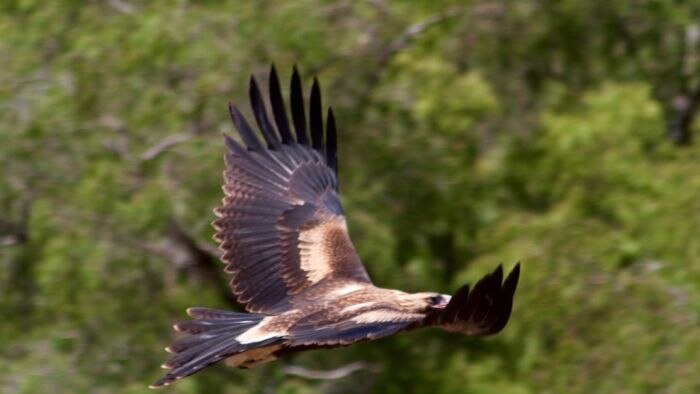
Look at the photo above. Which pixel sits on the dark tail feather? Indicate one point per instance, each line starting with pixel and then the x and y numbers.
pixel 212 338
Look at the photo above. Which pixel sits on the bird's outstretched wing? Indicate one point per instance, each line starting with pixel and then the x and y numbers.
pixel 356 323
pixel 484 310
pixel 281 225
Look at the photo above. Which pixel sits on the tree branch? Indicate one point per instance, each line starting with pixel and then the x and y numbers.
pixel 16 233
pixel 682 113
pixel 185 253
pixel 165 144
pixel 12 233
pixel 122 6
pixel 332 374
pixel 413 31
pixel 381 50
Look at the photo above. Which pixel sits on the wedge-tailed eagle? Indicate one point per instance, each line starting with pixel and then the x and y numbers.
pixel 285 241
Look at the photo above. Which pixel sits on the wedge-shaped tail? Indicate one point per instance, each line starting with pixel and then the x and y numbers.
pixel 212 338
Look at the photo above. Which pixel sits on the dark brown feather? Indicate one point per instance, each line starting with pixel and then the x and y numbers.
pixel 278 196
pixel 213 339
pixel 297 100
pixel 244 129
pixel 483 311
pixel 278 108
pixel 316 118
pixel 260 113
pixel 331 143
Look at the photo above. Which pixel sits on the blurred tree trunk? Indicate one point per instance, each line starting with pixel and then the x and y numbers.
pixel 680 117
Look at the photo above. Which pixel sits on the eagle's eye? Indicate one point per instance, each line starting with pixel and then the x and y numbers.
pixel 435 300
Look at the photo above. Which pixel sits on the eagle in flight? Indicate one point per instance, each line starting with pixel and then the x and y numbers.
pixel 285 241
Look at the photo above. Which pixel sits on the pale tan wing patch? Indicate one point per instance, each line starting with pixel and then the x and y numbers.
pixel 260 332
pixel 357 307
pixel 346 289
pixel 325 249
pixel 386 315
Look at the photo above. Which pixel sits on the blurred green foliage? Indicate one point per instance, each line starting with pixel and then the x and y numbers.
pixel 472 133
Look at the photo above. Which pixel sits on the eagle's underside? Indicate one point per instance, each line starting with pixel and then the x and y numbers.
pixel 285 241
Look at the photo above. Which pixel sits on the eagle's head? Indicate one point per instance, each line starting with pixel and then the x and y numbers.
pixel 425 302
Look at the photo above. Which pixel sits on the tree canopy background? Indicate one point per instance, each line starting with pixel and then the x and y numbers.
pixel 471 132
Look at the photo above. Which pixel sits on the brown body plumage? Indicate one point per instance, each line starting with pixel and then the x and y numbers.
pixel 294 267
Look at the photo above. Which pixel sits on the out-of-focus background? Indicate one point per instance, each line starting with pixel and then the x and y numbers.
pixel 559 134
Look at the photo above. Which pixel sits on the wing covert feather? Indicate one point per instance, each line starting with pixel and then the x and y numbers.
pixel 347 326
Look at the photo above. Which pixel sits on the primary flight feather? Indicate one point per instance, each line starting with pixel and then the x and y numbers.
pixel 285 241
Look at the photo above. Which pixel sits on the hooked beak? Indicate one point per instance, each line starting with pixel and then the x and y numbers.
pixel 445 299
